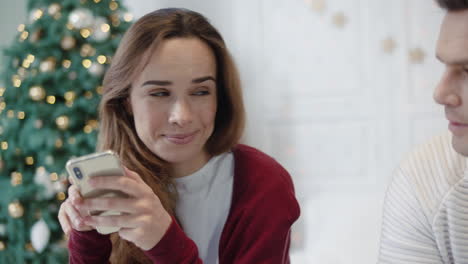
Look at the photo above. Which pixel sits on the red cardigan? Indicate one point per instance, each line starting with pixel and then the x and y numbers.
pixel 257 229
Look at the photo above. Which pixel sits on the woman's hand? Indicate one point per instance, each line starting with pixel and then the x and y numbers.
pixel 144 221
pixel 71 217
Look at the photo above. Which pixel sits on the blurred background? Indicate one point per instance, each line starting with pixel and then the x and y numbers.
pixel 338 91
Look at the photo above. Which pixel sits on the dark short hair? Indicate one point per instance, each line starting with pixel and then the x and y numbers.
pixel 453 5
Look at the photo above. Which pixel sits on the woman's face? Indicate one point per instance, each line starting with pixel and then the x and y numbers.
pixel 173 101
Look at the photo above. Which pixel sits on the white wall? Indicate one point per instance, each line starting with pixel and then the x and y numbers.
pixel 335 108
pixel 12 13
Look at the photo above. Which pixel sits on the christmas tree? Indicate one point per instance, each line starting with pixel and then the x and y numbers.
pixel 49 93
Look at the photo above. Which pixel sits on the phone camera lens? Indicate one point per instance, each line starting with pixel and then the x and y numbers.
pixel 78 173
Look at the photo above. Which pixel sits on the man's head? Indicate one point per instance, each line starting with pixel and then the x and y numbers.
pixel 452 90
pixel 453 5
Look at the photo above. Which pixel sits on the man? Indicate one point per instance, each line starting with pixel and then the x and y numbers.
pixel 426 207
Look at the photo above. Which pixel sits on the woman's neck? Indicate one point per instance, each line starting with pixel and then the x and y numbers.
pixel 186 168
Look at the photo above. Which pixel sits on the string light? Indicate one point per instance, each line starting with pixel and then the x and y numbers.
pixel 21 27
pixel 21 115
pixel 85 32
pixel 4 145
pixel 29 161
pixel 51 99
pixel 53 176
pixel 101 59
pixel 105 27
pixel 128 17
pixel 86 63
pixel 66 64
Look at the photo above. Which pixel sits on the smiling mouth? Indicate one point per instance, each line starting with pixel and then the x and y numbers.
pixel 181 139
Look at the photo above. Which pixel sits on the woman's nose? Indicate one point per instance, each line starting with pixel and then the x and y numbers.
pixel 180 113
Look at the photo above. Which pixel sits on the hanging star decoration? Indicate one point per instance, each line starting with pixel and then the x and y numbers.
pixel 417 55
pixel 340 20
pixel 388 45
pixel 318 6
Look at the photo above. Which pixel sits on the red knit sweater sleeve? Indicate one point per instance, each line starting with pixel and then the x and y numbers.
pixel 264 209
pixel 174 247
pixel 89 247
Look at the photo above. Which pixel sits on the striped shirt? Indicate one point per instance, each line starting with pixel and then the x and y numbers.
pixel 425 218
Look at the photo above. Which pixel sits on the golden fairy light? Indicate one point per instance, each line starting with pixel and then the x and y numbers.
pixel 93 123
pixel 61 196
pixel 21 27
pixel 58 143
pixel 51 99
pixel 87 129
pixel 30 58
pixel 21 115
pixel 24 35
pixel 100 89
pixel 15 209
pixel 16 81
pixel 85 32
pixel 88 95
pixel 113 6
pixel 29 160
pixel 10 113
pixel 53 176
pixel 4 145
pixel 66 64
pixel 2 90
pixel 2 106
pixel 101 59
pixel 70 96
pixel 62 122
pixel 37 93
pixel 128 17
pixel 38 14
pixel 86 63
pixel 16 178
pixel 105 27
pixel 97 1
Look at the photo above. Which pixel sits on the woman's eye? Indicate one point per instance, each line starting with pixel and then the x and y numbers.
pixel 159 94
pixel 201 93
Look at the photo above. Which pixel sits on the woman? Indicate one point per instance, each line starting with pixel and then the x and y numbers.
pixel 172 109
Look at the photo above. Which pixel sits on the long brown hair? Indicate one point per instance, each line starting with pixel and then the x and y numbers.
pixel 117 130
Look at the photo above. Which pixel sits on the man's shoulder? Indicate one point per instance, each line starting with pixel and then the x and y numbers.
pixel 429 172
pixel 435 156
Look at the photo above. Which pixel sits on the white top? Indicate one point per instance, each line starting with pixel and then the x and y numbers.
pixel 204 203
pixel 426 208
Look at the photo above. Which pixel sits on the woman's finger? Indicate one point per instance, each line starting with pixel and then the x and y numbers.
pixel 63 219
pixel 132 174
pixel 118 183
pixel 75 219
pixel 125 205
pixel 122 221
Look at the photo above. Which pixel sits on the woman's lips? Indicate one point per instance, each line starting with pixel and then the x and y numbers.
pixel 181 139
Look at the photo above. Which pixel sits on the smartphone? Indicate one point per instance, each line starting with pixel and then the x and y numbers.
pixel 81 169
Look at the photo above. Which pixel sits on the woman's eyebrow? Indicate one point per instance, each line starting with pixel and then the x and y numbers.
pixel 202 79
pixel 157 82
pixel 167 83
